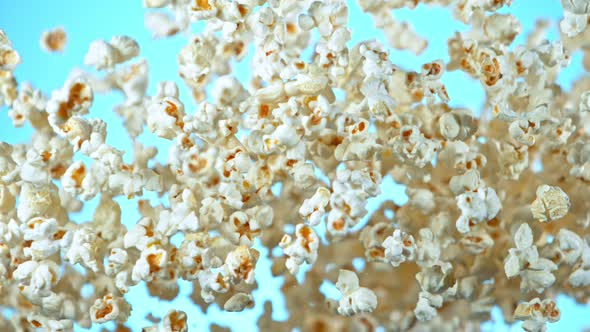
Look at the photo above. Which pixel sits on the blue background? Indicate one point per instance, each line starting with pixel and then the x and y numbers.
pixel 85 21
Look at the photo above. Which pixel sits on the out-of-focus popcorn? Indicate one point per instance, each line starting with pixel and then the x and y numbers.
pixel 585 101
pixel 54 40
pixel 536 313
pixel 552 203
pixel 575 17
pixel 399 247
pixel 106 55
pixel 238 302
pixel 355 299
pixel 161 25
pixel 9 58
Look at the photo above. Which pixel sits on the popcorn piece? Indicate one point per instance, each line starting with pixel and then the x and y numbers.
pixel 524 260
pixel 585 101
pixel 240 264
pixel 85 249
pixel 478 206
pixel 175 321
pixel 303 250
pixel 551 203
pixel 238 302
pixel 313 208
pixel 355 299
pixel 105 55
pixel 537 313
pixel 399 247
pixel 110 308
pixel 54 40
pixel 426 307
pixel 165 117
pixel 160 25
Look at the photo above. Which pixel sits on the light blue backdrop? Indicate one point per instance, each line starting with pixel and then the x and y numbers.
pixel 85 21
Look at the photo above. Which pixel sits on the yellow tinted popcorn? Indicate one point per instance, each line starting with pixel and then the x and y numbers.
pixel 552 203
pixel 54 40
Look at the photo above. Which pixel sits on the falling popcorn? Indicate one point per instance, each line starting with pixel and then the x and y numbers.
pixel 551 204
pixel 291 172
pixel 354 299
pixel 54 40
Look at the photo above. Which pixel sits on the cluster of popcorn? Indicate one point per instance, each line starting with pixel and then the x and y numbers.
pixel 497 213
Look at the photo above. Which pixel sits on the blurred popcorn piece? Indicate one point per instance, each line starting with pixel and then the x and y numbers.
pixel 54 40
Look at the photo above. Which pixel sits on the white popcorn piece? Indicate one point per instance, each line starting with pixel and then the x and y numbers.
pixel 238 302
pixel 426 307
pixel 552 203
pixel 536 314
pixel 161 25
pixel 240 264
pixel 106 55
pixel 9 58
pixel 574 251
pixel 110 308
pixel 413 148
pixel 355 299
pixel 74 98
pixel 175 321
pixel 399 247
pixel 585 101
pixel 85 249
pixel 150 264
pixel 478 206
pixel 304 249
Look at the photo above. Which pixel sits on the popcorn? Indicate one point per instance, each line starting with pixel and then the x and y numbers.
pixel 105 55
pixel 9 58
pixel 304 156
pixel 585 101
pixel 175 321
pixel 524 260
pixel 165 117
pixel 399 247
pixel 109 308
pixel 537 313
pixel 75 98
pixel 478 206
pixel 413 148
pixel 355 299
pixel 551 203
pixel 313 208
pixel 160 25
pixel 238 302
pixel 85 249
pixel 54 40
pixel 240 264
